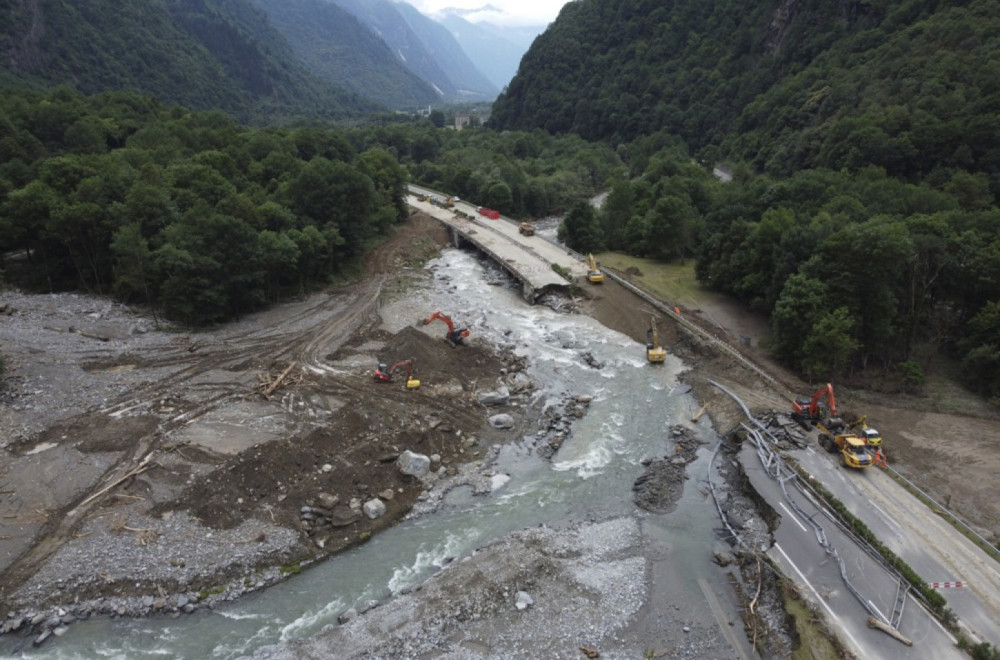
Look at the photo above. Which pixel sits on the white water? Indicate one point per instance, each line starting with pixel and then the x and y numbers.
pixel 634 404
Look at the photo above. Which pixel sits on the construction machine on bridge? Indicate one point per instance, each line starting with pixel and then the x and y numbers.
pixel 454 335
pixel 654 352
pixel 526 228
pixel 384 374
pixel 594 274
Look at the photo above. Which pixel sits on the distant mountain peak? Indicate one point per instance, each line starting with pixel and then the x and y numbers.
pixel 483 14
pixel 459 11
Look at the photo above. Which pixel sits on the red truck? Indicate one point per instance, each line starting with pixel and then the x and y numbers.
pixel 489 213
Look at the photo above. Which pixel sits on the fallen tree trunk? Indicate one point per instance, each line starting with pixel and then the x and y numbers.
pixel 889 630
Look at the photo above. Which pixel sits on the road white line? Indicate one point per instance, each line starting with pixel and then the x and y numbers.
pixel 874 607
pixel 819 599
pixel 794 517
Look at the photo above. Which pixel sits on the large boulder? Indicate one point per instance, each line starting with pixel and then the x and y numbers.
pixel 497 398
pixel 413 464
pixel 502 421
pixel 374 508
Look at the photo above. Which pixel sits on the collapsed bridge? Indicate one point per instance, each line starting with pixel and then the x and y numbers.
pixel 532 260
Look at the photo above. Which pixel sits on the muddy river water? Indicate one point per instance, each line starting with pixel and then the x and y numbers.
pixel 591 477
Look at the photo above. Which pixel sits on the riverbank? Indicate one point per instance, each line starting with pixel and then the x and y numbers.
pixel 206 503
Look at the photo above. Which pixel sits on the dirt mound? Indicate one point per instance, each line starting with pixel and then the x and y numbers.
pixel 436 360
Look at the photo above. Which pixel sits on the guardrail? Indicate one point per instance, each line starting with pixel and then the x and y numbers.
pixel 690 326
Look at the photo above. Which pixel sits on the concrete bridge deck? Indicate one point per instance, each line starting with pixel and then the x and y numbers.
pixel 528 258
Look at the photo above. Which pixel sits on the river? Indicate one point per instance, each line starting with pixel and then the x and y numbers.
pixel 591 477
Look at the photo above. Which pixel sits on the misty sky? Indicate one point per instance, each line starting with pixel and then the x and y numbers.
pixel 512 12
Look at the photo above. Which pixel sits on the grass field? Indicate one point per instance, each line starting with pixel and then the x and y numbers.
pixel 672 282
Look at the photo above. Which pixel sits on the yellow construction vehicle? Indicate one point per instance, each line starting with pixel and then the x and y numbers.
pixel 654 352
pixel 870 435
pixel 594 274
pixel 835 437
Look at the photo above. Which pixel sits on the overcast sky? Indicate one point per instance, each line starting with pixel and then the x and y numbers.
pixel 511 12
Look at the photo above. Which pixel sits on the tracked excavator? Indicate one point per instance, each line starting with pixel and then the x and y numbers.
pixel 384 374
pixel 654 352
pixel 594 274
pixel 454 335
pixel 820 407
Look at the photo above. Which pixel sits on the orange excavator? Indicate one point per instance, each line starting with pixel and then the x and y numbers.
pixel 809 411
pixel 454 335
pixel 384 374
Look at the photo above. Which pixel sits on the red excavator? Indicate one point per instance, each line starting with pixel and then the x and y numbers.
pixel 454 335
pixel 809 411
pixel 384 374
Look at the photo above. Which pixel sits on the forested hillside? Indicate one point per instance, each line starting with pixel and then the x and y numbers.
pixel 189 214
pixel 783 84
pixel 201 219
pixel 863 217
pixel 198 53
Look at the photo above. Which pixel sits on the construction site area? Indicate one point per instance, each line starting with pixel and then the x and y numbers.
pixel 140 459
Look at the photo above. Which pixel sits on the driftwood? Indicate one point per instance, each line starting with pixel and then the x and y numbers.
pixel 78 332
pixel 269 385
pixel 142 467
pixel 699 414
pixel 889 630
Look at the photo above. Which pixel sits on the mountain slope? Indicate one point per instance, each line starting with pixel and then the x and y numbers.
pixel 424 47
pixel 494 50
pixel 334 45
pixel 198 53
pixel 785 84
pixel 439 42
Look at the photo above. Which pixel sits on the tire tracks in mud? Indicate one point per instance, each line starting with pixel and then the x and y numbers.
pixel 338 317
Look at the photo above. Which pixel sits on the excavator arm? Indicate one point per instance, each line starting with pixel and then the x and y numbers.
pixel 654 352
pixel 594 274
pixel 810 410
pixel 454 335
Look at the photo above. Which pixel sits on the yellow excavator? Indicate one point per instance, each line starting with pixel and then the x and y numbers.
pixel 654 352
pixel 594 274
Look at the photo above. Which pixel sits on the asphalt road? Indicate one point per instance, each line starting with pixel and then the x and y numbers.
pixel 931 546
pixel 530 256
pixel 808 544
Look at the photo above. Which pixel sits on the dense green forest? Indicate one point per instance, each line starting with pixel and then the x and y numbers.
pixel 203 54
pixel 863 218
pixel 188 213
pixel 203 219
pixel 858 271
pixel 911 86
